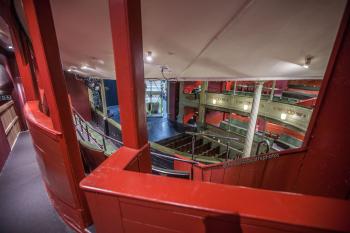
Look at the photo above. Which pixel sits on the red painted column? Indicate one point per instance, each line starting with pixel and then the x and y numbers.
pixel 43 37
pixel 126 26
pixel 44 41
pixel 54 135
pixel 20 50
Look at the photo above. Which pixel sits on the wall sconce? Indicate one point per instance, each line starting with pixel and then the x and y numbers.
pixel 283 116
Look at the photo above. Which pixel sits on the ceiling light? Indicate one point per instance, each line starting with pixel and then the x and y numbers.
pixel 149 57
pixel 84 67
pixel 69 70
pixel 283 116
pixel 214 101
pixel 307 61
pixel 10 47
pixel 245 107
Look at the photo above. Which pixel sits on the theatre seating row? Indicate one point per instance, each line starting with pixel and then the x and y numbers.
pixel 203 147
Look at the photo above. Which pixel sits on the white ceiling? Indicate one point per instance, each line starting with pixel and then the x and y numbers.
pixel 207 39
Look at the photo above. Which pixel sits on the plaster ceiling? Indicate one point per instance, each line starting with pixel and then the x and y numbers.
pixel 206 39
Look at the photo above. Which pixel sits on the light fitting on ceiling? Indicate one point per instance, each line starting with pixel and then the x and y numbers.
pixel 10 47
pixel 245 107
pixel 84 67
pixel 149 57
pixel 307 63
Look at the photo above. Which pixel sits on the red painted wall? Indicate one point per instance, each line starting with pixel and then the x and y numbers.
pixel 79 96
pixel 279 129
pixel 188 113
pixel 214 117
pixel 190 85
pixel 216 87
pixel 327 161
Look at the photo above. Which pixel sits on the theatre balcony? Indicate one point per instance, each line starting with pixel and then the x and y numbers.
pixel 174 116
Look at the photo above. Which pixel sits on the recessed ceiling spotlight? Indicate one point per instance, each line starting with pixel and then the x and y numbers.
pixel 84 67
pixel 307 63
pixel 69 70
pixel 149 57
pixel 10 47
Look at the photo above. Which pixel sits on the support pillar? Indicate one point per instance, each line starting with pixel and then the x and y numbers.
pixel 253 118
pixel 272 89
pixel 126 27
pixel 234 88
pixel 202 103
pixel 63 149
pixel 103 99
pixel 180 115
pixel 104 108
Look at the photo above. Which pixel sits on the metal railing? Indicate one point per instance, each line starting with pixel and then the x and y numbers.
pixel 263 142
pixel 84 128
pixel 194 134
pixel 163 156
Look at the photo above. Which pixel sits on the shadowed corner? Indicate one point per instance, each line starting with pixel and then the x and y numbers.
pixel 229 223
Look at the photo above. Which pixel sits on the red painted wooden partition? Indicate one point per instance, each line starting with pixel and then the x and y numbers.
pixel 277 171
pixel 78 95
pixel 122 199
pixel 53 134
pixel 56 168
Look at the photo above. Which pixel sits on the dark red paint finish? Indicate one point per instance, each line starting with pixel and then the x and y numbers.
pixel 129 201
pixel 327 162
pixel 54 135
pixel 56 167
pixel 128 57
pixel 79 96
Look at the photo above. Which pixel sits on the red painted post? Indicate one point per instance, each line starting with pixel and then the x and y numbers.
pixel 20 50
pixel 66 165
pixel 126 26
pixel 43 37
pixel 50 74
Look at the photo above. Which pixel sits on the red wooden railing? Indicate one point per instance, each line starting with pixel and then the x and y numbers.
pixel 122 199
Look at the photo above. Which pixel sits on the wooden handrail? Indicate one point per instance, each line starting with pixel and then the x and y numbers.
pixel 10 126
pixel 5 106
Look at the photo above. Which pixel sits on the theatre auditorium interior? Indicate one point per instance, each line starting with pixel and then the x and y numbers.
pixel 168 116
